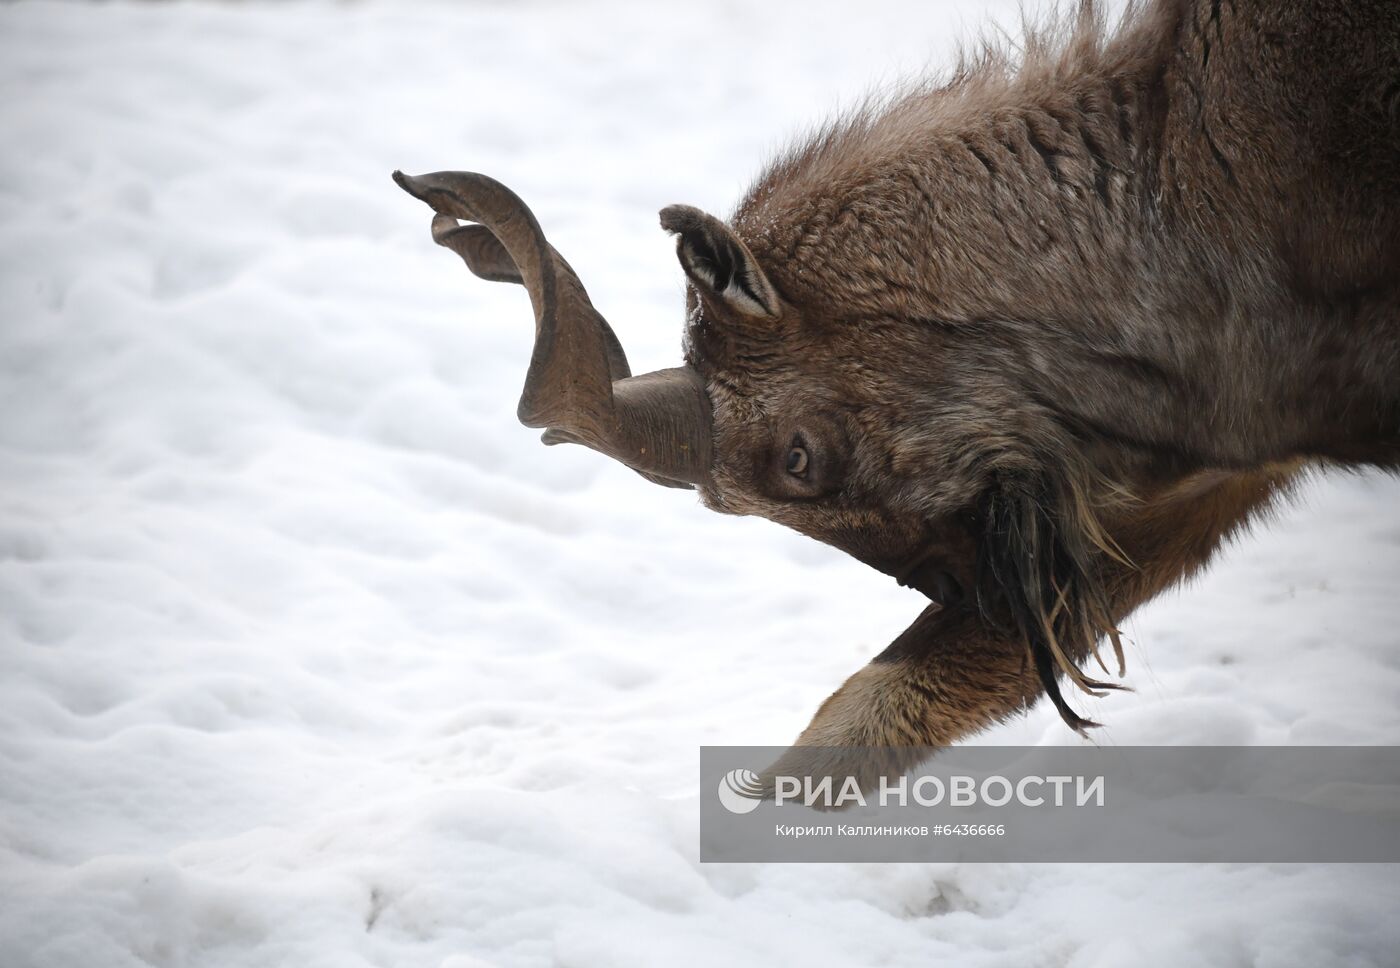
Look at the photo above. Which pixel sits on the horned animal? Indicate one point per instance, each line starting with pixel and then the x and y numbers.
pixel 1034 339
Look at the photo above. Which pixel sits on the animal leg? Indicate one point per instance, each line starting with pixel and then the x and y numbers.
pixel 949 675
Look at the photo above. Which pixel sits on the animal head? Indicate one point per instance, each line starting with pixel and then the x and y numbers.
pixel 901 444
pixel 826 423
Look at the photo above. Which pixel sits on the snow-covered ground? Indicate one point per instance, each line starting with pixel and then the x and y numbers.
pixel 310 655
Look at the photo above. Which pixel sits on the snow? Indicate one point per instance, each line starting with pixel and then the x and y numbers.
pixel 311 655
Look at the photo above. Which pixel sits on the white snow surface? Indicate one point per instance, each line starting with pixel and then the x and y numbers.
pixel 311 655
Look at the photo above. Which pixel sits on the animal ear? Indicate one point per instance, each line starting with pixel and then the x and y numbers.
pixel 719 263
pixel 1039 579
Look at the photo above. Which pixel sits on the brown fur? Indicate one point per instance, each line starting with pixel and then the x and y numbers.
pixel 1057 328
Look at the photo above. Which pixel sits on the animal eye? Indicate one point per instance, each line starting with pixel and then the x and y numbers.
pixel 797 461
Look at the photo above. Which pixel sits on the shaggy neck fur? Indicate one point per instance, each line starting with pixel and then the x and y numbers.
pixel 1155 237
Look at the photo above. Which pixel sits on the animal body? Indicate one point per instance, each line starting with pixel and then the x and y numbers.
pixel 1035 340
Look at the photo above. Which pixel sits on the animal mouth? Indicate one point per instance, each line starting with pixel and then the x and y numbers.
pixel 928 574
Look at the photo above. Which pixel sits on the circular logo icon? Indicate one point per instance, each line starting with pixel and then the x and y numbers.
pixel 740 791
